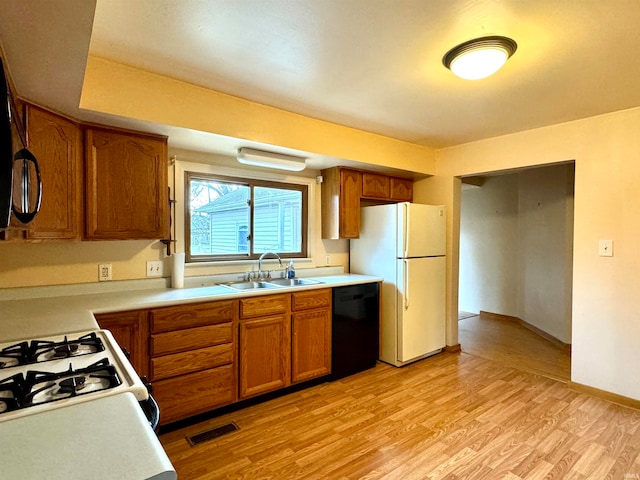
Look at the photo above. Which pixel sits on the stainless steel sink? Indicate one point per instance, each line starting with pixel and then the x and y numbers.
pixel 250 285
pixel 293 282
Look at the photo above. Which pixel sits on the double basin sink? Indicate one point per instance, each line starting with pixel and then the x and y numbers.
pixel 273 283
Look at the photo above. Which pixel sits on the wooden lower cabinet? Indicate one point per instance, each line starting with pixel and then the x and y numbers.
pixel 193 360
pixel 310 344
pixel 264 344
pixel 204 356
pixel 311 334
pixel 131 331
pixel 186 395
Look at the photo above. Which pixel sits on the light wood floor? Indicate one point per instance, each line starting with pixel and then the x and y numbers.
pixel 449 417
pixel 510 343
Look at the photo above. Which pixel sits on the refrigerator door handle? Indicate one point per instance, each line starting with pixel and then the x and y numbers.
pixel 405 234
pixel 405 286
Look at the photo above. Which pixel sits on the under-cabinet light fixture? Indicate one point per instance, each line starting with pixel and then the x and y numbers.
pixel 480 57
pixel 259 158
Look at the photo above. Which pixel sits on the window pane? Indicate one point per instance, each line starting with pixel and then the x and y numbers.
pixel 219 217
pixel 278 220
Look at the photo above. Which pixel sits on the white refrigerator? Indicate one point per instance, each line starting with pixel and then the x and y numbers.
pixel 405 244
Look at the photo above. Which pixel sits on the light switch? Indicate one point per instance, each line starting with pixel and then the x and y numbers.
pixel 605 248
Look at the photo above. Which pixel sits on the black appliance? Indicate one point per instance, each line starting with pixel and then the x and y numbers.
pixel 6 152
pixel 20 170
pixel 355 329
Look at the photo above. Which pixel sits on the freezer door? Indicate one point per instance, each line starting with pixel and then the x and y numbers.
pixel 420 307
pixel 421 230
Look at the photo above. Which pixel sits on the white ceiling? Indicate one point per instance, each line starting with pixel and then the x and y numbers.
pixel 369 64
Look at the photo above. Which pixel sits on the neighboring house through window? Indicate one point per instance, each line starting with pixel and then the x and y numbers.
pixel 231 218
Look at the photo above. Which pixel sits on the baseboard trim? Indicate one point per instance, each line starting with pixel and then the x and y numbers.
pixel 528 326
pixel 453 348
pixel 603 394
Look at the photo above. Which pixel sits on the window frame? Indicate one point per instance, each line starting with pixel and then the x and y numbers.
pixel 251 183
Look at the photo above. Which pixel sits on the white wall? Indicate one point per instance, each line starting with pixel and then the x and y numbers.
pixel 606 318
pixel 489 247
pixel 545 249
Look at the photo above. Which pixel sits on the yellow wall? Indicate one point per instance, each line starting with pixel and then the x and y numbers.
pixel 606 327
pixel 118 89
pixel 62 263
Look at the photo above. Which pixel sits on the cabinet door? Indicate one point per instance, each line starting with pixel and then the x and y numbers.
pixel 350 190
pixel 401 189
pixel 265 354
pixel 131 331
pixel 375 185
pixel 311 344
pixel 126 186
pixel 57 144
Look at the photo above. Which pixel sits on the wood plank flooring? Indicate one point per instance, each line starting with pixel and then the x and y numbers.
pixel 508 342
pixel 452 416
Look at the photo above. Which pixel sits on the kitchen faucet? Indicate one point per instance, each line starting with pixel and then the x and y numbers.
pixel 262 257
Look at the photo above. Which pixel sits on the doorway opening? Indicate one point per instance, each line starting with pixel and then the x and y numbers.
pixel 515 278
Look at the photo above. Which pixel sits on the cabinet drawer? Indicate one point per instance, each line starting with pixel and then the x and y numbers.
pixel 187 395
pixel 375 185
pixel 182 363
pixel 311 299
pixel 189 316
pixel 263 305
pixel 190 339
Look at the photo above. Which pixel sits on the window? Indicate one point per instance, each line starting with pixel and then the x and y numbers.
pixel 237 219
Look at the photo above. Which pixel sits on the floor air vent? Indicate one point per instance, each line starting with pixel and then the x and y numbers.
pixel 211 434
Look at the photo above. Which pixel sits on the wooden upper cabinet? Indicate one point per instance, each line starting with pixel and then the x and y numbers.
pixel 56 143
pixel 401 189
pixel 375 185
pixel 350 188
pixel 126 185
pixel 341 191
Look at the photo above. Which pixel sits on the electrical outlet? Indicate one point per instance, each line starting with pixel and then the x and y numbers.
pixel 154 269
pixel 104 272
pixel 327 260
pixel 605 248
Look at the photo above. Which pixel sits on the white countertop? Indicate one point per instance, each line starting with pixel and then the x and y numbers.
pixel 104 439
pixel 39 317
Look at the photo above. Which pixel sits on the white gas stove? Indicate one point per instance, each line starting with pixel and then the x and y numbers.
pixel 37 375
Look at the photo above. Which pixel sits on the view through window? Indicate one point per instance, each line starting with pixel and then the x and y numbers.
pixel 230 218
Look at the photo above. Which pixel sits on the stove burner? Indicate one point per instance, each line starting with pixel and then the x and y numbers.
pixel 10 393
pixel 44 387
pixel 63 351
pixel 72 385
pixel 44 350
pixel 14 355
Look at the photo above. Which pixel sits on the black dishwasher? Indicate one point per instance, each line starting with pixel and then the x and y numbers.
pixel 355 329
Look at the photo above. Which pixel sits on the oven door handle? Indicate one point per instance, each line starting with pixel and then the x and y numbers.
pixel 24 214
pixel 151 411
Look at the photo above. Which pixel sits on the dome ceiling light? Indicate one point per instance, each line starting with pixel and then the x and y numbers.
pixel 480 57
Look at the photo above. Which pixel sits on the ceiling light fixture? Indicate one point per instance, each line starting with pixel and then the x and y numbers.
pixel 259 158
pixel 480 57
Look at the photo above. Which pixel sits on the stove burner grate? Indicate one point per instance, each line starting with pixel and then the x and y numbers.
pixel 14 355
pixel 36 388
pixel 10 393
pixel 44 350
